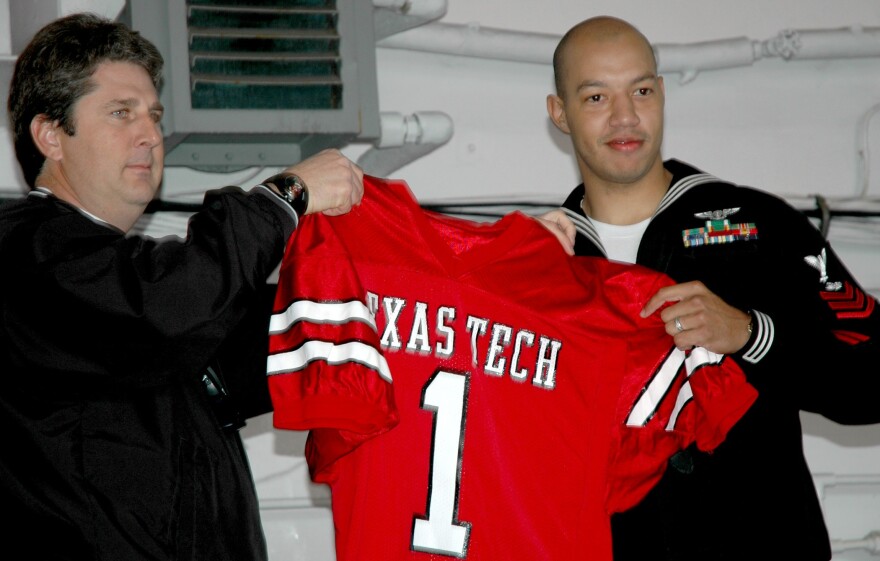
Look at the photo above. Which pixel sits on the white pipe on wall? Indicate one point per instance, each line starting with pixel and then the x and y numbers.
pixel 870 543
pixel 690 59
pixel 847 42
pixel 825 483
pixel 476 41
pixel 405 138
pixel 686 59
pixel 394 16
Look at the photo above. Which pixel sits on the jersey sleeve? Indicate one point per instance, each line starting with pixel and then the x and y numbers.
pixel 692 397
pixel 669 398
pixel 325 367
pixel 721 396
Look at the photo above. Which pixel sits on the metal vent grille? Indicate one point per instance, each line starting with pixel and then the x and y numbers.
pixel 275 55
pixel 261 82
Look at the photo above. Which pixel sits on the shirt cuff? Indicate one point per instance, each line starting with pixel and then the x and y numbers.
pixel 761 339
pixel 277 199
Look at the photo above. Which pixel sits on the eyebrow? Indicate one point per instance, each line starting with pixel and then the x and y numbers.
pixel 126 102
pixel 600 83
pixel 132 102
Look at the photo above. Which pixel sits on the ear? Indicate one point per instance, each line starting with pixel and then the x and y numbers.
pixel 556 110
pixel 45 134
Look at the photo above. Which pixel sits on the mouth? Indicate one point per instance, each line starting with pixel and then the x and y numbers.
pixel 625 144
pixel 140 166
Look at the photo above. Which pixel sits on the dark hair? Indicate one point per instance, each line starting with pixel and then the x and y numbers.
pixel 55 69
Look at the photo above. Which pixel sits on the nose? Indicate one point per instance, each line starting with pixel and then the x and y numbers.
pixel 623 112
pixel 149 132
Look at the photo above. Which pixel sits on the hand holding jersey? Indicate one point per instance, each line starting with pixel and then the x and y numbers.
pixel 334 183
pixel 561 227
pixel 698 317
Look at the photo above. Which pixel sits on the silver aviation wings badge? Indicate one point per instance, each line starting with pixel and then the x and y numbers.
pixel 716 214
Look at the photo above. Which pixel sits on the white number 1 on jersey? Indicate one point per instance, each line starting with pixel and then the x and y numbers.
pixel 445 395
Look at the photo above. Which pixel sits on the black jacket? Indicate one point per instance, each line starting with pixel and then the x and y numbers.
pixel 111 446
pixel 753 497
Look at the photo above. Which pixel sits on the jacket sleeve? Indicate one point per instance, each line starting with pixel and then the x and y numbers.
pixel 136 311
pixel 817 331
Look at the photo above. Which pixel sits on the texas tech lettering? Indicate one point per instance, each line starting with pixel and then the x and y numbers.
pixel 496 348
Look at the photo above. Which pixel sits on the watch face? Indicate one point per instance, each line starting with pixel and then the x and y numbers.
pixel 293 185
pixel 295 193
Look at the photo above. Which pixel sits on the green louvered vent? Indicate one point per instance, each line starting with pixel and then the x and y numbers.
pixel 281 54
pixel 261 82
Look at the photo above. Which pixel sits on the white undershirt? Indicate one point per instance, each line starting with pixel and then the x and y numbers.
pixel 621 242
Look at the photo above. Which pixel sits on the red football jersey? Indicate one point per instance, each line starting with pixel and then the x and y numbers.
pixel 473 392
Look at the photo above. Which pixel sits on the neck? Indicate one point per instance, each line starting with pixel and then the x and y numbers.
pixel 623 204
pixel 122 218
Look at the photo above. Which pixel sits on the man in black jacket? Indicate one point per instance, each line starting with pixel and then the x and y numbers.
pixel 118 442
pixel 756 281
